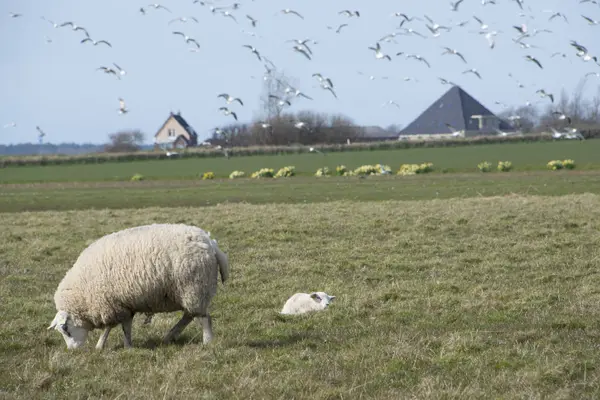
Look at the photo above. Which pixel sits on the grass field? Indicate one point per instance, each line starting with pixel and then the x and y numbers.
pixel 449 286
pixel 297 190
pixel 524 156
pixel 489 297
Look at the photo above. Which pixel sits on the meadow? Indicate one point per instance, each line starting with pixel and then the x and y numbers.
pixel 448 285
pixel 524 156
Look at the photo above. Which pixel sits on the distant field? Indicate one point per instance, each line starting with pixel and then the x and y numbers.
pixel 198 193
pixel 487 298
pixel 524 156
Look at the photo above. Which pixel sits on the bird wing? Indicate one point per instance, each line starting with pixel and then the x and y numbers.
pixel 461 56
pixel 234 115
pixel 179 33
pixel 105 42
pixel 239 101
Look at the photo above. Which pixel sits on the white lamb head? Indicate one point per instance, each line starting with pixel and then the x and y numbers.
pixel 74 336
pixel 301 303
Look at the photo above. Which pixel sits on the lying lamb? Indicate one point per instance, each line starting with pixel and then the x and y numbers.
pixel 301 303
pixel 147 269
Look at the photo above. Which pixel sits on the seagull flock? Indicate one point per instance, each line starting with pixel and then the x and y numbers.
pixel 387 46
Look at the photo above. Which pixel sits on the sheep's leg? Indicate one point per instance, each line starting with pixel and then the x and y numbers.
pixel 207 333
pixel 178 328
pixel 126 325
pixel 103 337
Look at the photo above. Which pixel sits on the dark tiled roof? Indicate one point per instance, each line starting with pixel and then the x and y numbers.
pixel 185 125
pixel 455 107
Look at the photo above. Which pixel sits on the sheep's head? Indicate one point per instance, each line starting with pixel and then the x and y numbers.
pixel 322 298
pixel 74 336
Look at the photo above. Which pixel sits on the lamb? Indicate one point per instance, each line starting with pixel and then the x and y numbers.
pixel 301 303
pixel 147 269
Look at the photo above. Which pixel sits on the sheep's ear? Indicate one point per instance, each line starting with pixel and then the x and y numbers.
pixel 331 298
pixel 315 297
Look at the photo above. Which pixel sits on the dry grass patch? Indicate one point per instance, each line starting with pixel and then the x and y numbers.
pixel 461 298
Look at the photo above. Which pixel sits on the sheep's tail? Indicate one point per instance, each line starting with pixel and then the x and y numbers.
pixel 223 262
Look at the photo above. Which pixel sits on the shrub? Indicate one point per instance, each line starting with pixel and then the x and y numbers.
pixel 322 172
pixel 208 175
pixel 554 165
pixel 568 164
pixel 263 173
pixel 366 170
pixel 383 169
pixel 137 177
pixel 484 166
pixel 412 169
pixel 341 170
pixel 286 172
pixel 504 166
pixel 237 174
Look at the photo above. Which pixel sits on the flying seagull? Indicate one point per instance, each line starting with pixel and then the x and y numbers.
pixel 590 21
pixel 228 14
pixel 302 43
pixel 252 21
pixel 349 13
pixel 11 125
pixel 157 6
pixel 75 27
pixel 183 19
pixel 533 59
pixel 187 38
pixel 296 92
pixel 122 107
pixel 88 39
pixel 472 71
pixel 454 6
pixel 281 102
pixel 378 54
pixel 229 99
pixel 15 15
pixel 455 52
pixel 543 93
pixel 288 11
pixel 253 49
pixel 301 50
pixel 121 70
pixel 107 70
pixel 419 58
pixel 227 111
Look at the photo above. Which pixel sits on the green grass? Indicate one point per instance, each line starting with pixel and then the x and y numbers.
pixel 524 156
pixel 197 193
pixel 485 297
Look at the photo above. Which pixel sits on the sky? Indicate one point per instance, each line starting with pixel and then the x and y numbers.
pixel 57 86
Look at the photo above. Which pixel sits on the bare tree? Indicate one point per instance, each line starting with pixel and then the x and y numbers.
pixel 595 107
pixel 275 84
pixel 125 141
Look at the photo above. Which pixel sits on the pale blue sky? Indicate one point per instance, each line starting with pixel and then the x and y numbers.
pixel 57 87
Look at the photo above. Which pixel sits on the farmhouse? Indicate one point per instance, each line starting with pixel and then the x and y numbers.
pixel 456 113
pixel 175 132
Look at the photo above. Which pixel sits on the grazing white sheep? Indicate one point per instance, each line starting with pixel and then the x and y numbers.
pixel 147 269
pixel 301 303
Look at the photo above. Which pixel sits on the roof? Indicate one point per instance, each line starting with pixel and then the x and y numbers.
pixel 455 107
pixel 181 121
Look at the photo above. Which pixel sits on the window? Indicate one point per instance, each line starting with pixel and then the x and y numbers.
pixel 171 132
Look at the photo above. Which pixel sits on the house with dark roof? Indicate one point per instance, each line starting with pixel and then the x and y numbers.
pixel 175 132
pixel 456 113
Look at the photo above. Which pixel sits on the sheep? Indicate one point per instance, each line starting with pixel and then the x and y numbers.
pixel 301 303
pixel 147 269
